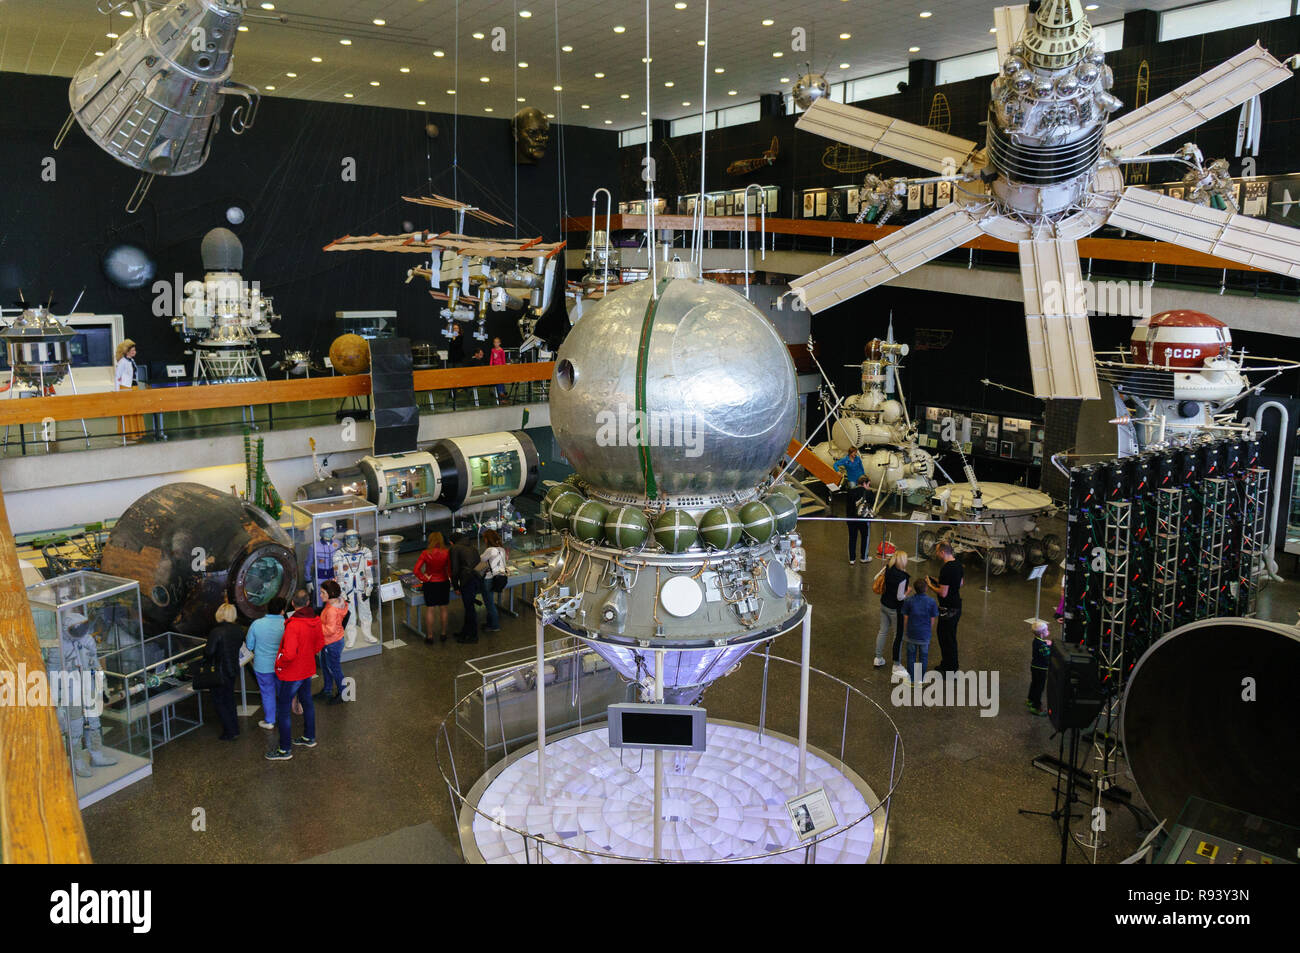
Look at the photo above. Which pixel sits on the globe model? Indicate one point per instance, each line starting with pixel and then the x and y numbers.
pixel 687 394
pixel 350 354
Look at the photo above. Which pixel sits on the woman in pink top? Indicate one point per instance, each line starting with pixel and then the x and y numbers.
pixel 497 359
pixel 332 614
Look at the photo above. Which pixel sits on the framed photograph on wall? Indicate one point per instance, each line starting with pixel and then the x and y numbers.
pixel 943 194
pixel 809 205
pixel 927 195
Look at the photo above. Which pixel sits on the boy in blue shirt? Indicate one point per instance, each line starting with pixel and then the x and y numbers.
pixel 919 614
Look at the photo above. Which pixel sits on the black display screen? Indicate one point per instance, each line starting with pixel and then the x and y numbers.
pixel 657 728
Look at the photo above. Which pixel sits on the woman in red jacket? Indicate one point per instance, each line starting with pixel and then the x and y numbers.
pixel 295 667
pixel 431 570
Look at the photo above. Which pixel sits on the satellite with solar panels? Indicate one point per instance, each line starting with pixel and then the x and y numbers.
pixel 1050 173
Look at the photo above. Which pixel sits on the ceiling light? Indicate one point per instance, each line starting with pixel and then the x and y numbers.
pixel 525 13
pixel 550 115
pixel 914 49
pixel 844 65
pixel 99 52
pixel 768 22
pixel 599 75
pixel 268 6
pixel 347 95
pixel 1091 6
pixel 699 42
pixel 125 13
pixel 421 102
pixel 718 69
pixel 846 36
pixel 451 92
pixel 291 75
pixel 609 122
pixel 557 87
pixel 993 29
pixel 686 102
pixel 374 82
pixel 379 22
pixel 567 48
pixel 523 65
pixel 925 14
pixel 778 54
pixel 584 105
pixel 679 5
pixel 669 84
pixel 785 79
pixel 647 60
pixel 619 29
pixel 731 92
pixel 477 36
pixel 404 69
pixel 623 96
pixel 270 88
pixel 111 36
pixel 242 29
pixel 484 79
pixel 316 59
pixel 439 53
pixel 345 42
pixel 643 112
pixel 520 99
pixel 487 109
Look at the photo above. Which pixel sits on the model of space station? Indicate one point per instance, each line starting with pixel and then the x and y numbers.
pixel 1050 173
pixel 480 274
pixel 876 424
pixel 224 318
pixel 1180 379
pixel 154 101
pixel 674 401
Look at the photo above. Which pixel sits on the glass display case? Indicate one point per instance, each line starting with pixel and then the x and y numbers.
pixel 318 529
pixel 1210 833
pixel 149 697
pixel 110 606
pixel 82 619
pixel 501 707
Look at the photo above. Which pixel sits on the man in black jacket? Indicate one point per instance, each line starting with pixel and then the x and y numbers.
pixel 859 502
pixel 466 580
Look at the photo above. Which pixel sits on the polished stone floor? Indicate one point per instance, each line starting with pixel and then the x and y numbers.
pixel 371 791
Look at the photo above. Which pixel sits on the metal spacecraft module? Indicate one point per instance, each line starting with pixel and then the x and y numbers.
pixel 675 401
pixel 190 548
pixel 1050 173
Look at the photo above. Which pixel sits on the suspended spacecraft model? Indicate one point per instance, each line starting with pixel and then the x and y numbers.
pixel 480 274
pixel 1050 173
pixel 224 319
pixel 154 100
pixel 675 400
pixel 1180 379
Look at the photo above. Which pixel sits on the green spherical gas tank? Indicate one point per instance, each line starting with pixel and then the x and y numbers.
pixel 785 509
pixel 627 527
pixel 553 493
pixel 588 521
pixel 720 528
pixel 759 521
pixel 562 508
pixel 676 531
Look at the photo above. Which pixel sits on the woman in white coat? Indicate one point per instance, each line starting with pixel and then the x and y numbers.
pixel 130 426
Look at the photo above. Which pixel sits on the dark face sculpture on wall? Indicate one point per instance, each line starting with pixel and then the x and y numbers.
pixel 532 133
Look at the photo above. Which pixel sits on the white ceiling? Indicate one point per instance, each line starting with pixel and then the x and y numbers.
pixel 56 37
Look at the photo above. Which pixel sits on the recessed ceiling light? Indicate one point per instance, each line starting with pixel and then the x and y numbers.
pixel 557 88
pixel 846 36
pixel 993 29
pixel 525 13
pixel 914 49
pixel 404 69
pixel 785 79
pixel 520 99
pixel 374 82
pixel 1091 6
pixel 523 65
pixel 599 75
pixel 550 115
pixel 567 48
pixel 477 36
pixel 316 59
pixel 421 102
pixel 125 13
pixel 99 52
pixel 378 22
pixel 686 102
pixel 268 6
pixel 623 96
pixel 291 75
pixel 619 29
pixel 347 95
pixel 484 79
pixel 643 112
pixel 844 65
pixel 270 88
pixel 699 42
pixel 585 106
pixel 778 54
pixel 242 29
pixel 647 59
pixel 451 92
pixel 718 69
pixel 925 14
pixel 679 5
pixel 670 84
pixel 111 36
pixel 439 53
pixel 487 109
pixel 768 22
pixel 609 122
pixel 345 42
pixel 731 92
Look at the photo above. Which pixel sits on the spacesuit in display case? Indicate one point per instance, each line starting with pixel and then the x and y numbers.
pixel 354 571
pixel 319 564
pixel 73 667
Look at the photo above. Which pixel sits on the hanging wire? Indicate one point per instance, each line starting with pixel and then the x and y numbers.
pixel 704 115
pixel 649 164
pixel 514 132
pixel 561 158
pixel 455 116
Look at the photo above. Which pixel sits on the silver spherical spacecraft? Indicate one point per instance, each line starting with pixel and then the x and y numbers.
pixel 675 401
pixel 809 88
pixel 37 344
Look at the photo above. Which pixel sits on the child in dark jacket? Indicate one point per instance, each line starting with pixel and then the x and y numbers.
pixel 1040 656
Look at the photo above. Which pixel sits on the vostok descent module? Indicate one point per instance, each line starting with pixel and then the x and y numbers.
pixel 675 400
pixel 1050 173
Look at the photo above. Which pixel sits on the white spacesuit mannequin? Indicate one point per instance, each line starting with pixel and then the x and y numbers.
pixel 354 571
pixel 76 656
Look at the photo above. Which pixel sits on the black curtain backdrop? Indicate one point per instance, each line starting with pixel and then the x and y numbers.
pixel 287 175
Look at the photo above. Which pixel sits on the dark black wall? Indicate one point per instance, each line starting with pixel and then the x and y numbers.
pixel 286 174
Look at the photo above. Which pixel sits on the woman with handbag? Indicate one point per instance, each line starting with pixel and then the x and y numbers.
pixel 891 585
pixel 493 565
pixel 224 642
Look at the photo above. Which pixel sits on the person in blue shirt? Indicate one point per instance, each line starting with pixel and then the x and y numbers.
pixel 851 466
pixel 919 614
pixel 263 640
